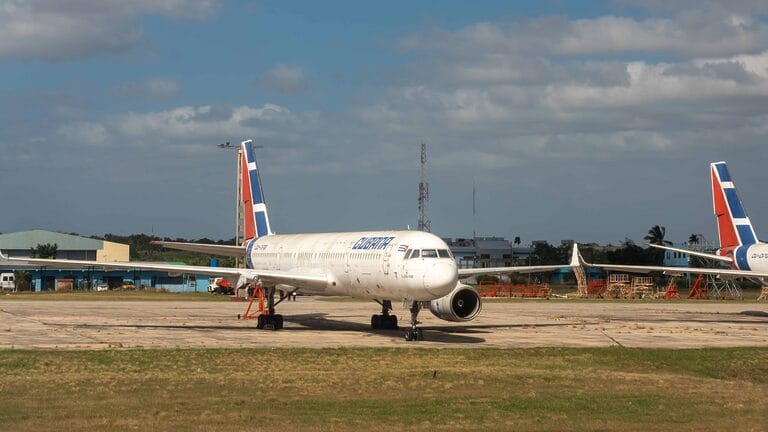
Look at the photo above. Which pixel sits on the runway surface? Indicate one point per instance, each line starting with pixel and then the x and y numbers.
pixel 314 323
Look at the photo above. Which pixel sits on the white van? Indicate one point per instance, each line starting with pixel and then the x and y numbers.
pixel 6 282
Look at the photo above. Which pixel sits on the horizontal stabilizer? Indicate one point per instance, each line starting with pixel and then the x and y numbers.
pixel 694 253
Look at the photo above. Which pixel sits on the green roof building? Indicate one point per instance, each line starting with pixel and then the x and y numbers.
pixel 73 247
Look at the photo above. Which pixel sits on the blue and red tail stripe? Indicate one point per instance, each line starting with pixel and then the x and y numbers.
pixel 734 226
pixel 255 209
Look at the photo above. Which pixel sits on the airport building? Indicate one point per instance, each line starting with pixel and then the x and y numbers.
pixel 677 259
pixel 74 247
pixel 484 252
pixel 70 247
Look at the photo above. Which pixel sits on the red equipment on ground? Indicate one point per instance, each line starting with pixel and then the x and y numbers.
pixel 699 289
pixel 497 289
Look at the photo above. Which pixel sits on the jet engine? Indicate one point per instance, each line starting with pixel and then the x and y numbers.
pixel 462 304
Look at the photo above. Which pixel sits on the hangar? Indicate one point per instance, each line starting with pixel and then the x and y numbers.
pixel 71 247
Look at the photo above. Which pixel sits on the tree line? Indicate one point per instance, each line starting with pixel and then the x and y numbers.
pixel 142 249
pixel 626 253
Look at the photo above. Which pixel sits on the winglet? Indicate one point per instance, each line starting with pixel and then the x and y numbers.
pixel 576 259
pixel 3 256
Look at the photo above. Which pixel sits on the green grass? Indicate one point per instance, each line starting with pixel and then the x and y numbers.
pixel 385 388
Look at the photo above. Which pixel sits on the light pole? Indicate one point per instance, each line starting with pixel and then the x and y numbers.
pixel 238 189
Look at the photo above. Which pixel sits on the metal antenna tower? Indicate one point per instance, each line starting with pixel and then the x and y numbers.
pixel 424 224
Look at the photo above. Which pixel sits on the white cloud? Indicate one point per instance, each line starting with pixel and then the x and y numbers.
pixel 90 134
pixel 284 79
pixel 188 123
pixel 152 89
pixel 59 30
pixel 692 33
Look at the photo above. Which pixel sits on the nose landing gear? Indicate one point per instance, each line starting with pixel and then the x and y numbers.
pixel 414 333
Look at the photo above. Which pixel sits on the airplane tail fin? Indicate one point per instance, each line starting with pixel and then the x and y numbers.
pixel 733 225
pixel 254 208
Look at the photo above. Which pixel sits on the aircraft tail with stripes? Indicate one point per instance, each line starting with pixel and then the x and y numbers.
pixel 255 214
pixel 733 225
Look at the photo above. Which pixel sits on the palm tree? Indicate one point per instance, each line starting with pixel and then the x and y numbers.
pixel 694 239
pixel 656 236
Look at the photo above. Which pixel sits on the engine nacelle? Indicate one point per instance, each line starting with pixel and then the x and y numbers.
pixel 462 304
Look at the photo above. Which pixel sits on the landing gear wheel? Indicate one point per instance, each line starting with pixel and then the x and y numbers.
pixel 260 321
pixel 392 322
pixel 278 322
pixel 384 320
pixel 376 322
pixel 413 335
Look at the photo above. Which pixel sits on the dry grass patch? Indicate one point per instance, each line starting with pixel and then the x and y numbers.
pixel 393 389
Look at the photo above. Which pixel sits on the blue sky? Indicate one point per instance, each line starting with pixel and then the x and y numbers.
pixel 583 120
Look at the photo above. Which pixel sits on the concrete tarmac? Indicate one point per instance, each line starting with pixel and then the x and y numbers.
pixel 315 323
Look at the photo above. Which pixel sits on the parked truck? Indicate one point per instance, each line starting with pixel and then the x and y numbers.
pixel 7 282
pixel 220 286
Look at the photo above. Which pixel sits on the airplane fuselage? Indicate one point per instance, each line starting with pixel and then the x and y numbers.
pixel 748 257
pixel 370 264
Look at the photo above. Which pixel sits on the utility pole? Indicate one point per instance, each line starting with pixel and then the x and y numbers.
pixel 424 223
pixel 238 191
pixel 474 212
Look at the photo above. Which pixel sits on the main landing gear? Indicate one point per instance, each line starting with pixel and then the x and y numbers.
pixel 266 317
pixel 384 321
pixel 414 333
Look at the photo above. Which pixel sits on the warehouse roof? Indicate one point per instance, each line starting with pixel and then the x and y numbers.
pixel 30 239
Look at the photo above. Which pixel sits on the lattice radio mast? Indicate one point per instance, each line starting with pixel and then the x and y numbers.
pixel 424 224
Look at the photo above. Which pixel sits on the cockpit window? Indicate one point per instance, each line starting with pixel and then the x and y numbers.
pixel 408 254
pixel 415 254
pixel 443 253
pixel 429 253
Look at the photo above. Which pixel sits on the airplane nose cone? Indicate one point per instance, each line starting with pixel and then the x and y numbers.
pixel 441 278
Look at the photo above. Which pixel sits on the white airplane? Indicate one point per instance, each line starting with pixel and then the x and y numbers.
pixel 739 248
pixel 384 266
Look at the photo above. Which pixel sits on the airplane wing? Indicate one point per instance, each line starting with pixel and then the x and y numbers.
pixel 470 272
pixel 694 253
pixel 223 250
pixel 673 271
pixel 296 279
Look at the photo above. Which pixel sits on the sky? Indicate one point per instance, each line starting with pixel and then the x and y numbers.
pixel 584 120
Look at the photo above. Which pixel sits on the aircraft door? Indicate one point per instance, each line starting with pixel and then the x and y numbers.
pixel 346 260
pixel 386 258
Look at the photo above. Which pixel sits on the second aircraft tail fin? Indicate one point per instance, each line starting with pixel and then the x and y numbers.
pixel 733 225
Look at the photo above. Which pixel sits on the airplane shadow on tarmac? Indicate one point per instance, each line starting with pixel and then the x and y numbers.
pixel 464 334
pixel 460 334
